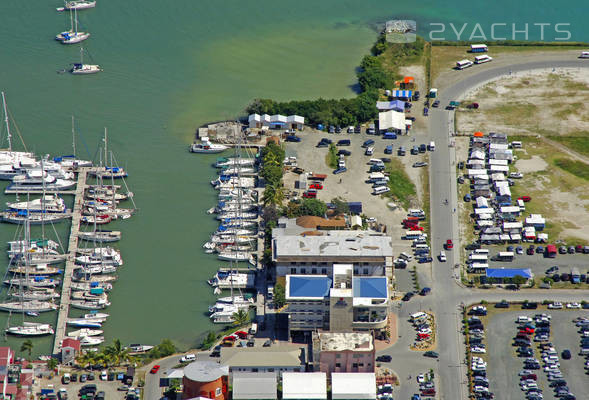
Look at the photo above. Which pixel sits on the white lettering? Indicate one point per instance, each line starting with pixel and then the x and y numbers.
pixel 525 31
pixel 493 37
pixel 542 25
pixel 481 36
pixel 559 31
pixel 458 34
pixel 431 32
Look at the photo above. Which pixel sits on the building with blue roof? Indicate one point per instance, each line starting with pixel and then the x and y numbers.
pixel 507 275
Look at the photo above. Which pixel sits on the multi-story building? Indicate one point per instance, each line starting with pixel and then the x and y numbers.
pixel 295 253
pixel 16 381
pixel 343 352
pixel 341 302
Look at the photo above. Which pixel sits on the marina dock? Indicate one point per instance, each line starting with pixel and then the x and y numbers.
pixel 60 327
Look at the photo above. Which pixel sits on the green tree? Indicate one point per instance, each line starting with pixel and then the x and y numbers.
pixel 240 318
pixel 84 359
pixel 117 353
pixel 164 349
pixel 332 157
pixel 209 340
pixel 52 363
pixel 340 206
pixel 27 347
pixel 273 194
pixel 519 280
pixel 313 207
pixel 279 295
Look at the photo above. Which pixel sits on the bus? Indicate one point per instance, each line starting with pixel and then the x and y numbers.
pixel 463 64
pixel 478 48
pixel 505 256
pixel 482 59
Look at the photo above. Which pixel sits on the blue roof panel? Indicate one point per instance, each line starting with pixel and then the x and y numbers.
pixel 371 287
pixel 308 286
pixel 509 272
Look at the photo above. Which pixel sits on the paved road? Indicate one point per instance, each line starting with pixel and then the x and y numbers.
pixel 152 390
pixel 448 295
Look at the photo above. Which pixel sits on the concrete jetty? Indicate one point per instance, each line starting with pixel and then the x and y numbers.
pixel 62 316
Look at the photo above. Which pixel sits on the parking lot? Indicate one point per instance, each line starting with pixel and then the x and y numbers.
pixel 504 365
pixel 110 389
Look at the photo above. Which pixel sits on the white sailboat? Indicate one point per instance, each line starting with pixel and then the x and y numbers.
pixel 31 329
pixel 85 332
pixel 91 340
pixel 50 203
pixel 34 245
pixel 84 69
pixel 72 36
pixel 100 236
pixel 77 5
pixel 205 146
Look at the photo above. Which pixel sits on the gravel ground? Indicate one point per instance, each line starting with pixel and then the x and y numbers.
pixel 504 366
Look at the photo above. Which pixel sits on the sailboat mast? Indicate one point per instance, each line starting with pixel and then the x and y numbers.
pixel 81 55
pixel 76 20
pixel 7 124
pixel 105 147
pixel 73 137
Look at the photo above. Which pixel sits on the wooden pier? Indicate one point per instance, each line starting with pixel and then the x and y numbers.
pixel 62 316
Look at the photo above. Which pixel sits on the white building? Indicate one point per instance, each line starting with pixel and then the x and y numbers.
pixel 309 385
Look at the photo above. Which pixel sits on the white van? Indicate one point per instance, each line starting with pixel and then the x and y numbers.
pixel 406 256
pixel 584 54
pixel 369 151
pixel 188 358
pixel 418 315
pixel 516 145
pixel 463 64
pixel 421 246
pixel 413 234
pixel 482 59
pixel 380 190
pixel 375 161
pixel 103 375
pixel 254 328
pixel 432 146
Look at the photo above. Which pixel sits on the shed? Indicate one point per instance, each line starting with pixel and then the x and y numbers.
pixel 355 222
pixel 304 385
pixel 353 386
pixel 277 121
pixel 396 105
pixel 254 385
pixel 295 121
pixel 255 120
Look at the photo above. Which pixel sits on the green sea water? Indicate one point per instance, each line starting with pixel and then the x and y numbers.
pixel 170 66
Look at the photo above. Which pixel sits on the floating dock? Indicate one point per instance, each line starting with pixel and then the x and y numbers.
pixel 64 307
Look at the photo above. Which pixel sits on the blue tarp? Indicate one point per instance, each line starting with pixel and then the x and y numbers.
pixel 308 286
pixel 371 287
pixel 509 272
pixel 402 94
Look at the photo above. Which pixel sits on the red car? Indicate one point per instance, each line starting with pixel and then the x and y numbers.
pixel 241 334
pixel 154 369
pixel 429 392
pixel 416 228
pixel 449 245
pixel 527 330
pixel 525 199
pixel 316 186
pixel 310 195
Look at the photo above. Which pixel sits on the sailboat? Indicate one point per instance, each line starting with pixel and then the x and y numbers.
pixel 100 236
pixel 50 203
pixel 70 162
pixel 77 5
pixel 72 36
pixel 41 269
pixel 84 69
pixel 37 294
pixel 108 172
pixel 84 332
pixel 31 329
pixel 20 246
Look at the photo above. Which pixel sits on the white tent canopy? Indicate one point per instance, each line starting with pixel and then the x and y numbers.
pixel 391 120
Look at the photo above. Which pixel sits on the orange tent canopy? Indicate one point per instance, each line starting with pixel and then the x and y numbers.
pixel 478 134
pixel 408 79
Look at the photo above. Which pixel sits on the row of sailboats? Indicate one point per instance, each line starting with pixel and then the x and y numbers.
pixel 236 237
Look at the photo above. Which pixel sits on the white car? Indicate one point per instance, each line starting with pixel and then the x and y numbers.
pixel 516 175
pixel 420 378
pixel 477 350
pixel 481 389
pixel 573 305
pixel 555 306
pixel 442 256
pixel 425 331
pixel 522 319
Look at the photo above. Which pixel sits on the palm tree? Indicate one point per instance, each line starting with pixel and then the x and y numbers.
pixel 27 346
pixel 52 363
pixel 240 318
pixel 273 194
pixel 116 352
pixel 84 359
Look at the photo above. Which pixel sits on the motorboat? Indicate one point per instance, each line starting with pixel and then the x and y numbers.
pixel 239 299
pixel 91 340
pixel 19 217
pixel 91 295
pixel 31 329
pixel 38 294
pixel 84 323
pixel 49 203
pixel 235 256
pixel 90 304
pixel 35 282
pixel 139 348
pixel 41 269
pixel 96 315
pixel 85 332
pixel 84 69
pixel 100 236
pixel 222 308
pixel 205 146
pixel 232 279
pixel 223 317
pixel 26 306
pixel 77 5
pixel 232 182
pixel 34 245
pixel 38 180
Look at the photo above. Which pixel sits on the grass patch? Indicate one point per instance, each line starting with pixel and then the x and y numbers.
pixel 578 142
pixel 577 168
pixel 402 189
pixel 331 159
pixel 426 203
pixel 570 109
pixel 514 113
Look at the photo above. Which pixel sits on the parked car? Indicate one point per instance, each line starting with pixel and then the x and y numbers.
pixel 449 245
pixel 384 358
pixel 344 142
pixel 368 143
pixel 525 199
pixel 408 296
pixel 467 197
pixel 502 304
pixel 425 291
pixel 154 369
pixel 436 103
pixel 344 152
pixel 419 164
pixel 431 354
pixel 293 138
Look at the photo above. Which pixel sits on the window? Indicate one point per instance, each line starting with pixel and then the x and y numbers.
pixel 303 270
pixel 218 392
pixel 356 271
pixel 355 365
pixel 338 365
pixel 324 271
pixel 338 355
pixel 365 271
pixel 314 271
pixel 361 364
pixel 293 271
pixel 270 369
pixel 254 370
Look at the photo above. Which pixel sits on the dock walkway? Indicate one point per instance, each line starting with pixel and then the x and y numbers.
pixel 64 307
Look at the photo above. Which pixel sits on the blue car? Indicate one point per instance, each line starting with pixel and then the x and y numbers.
pixel 293 138
pixel 424 260
pixel 340 170
pixel 425 291
pixel 416 397
pixel 388 150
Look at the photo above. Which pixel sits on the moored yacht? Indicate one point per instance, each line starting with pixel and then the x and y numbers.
pixel 78 5
pixel 36 282
pixel 84 332
pixel 28 306
pixel 205 146
pixel 31 329
pixel 19 217
pixel 100 236
pixel 49 203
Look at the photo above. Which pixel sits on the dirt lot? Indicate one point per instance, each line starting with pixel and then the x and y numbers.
pixel 535 101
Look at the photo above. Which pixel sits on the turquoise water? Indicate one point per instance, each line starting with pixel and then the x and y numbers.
pixel 170 67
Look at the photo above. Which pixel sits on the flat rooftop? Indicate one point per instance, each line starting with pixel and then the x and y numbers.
pixel 340 341
pixel 334 244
